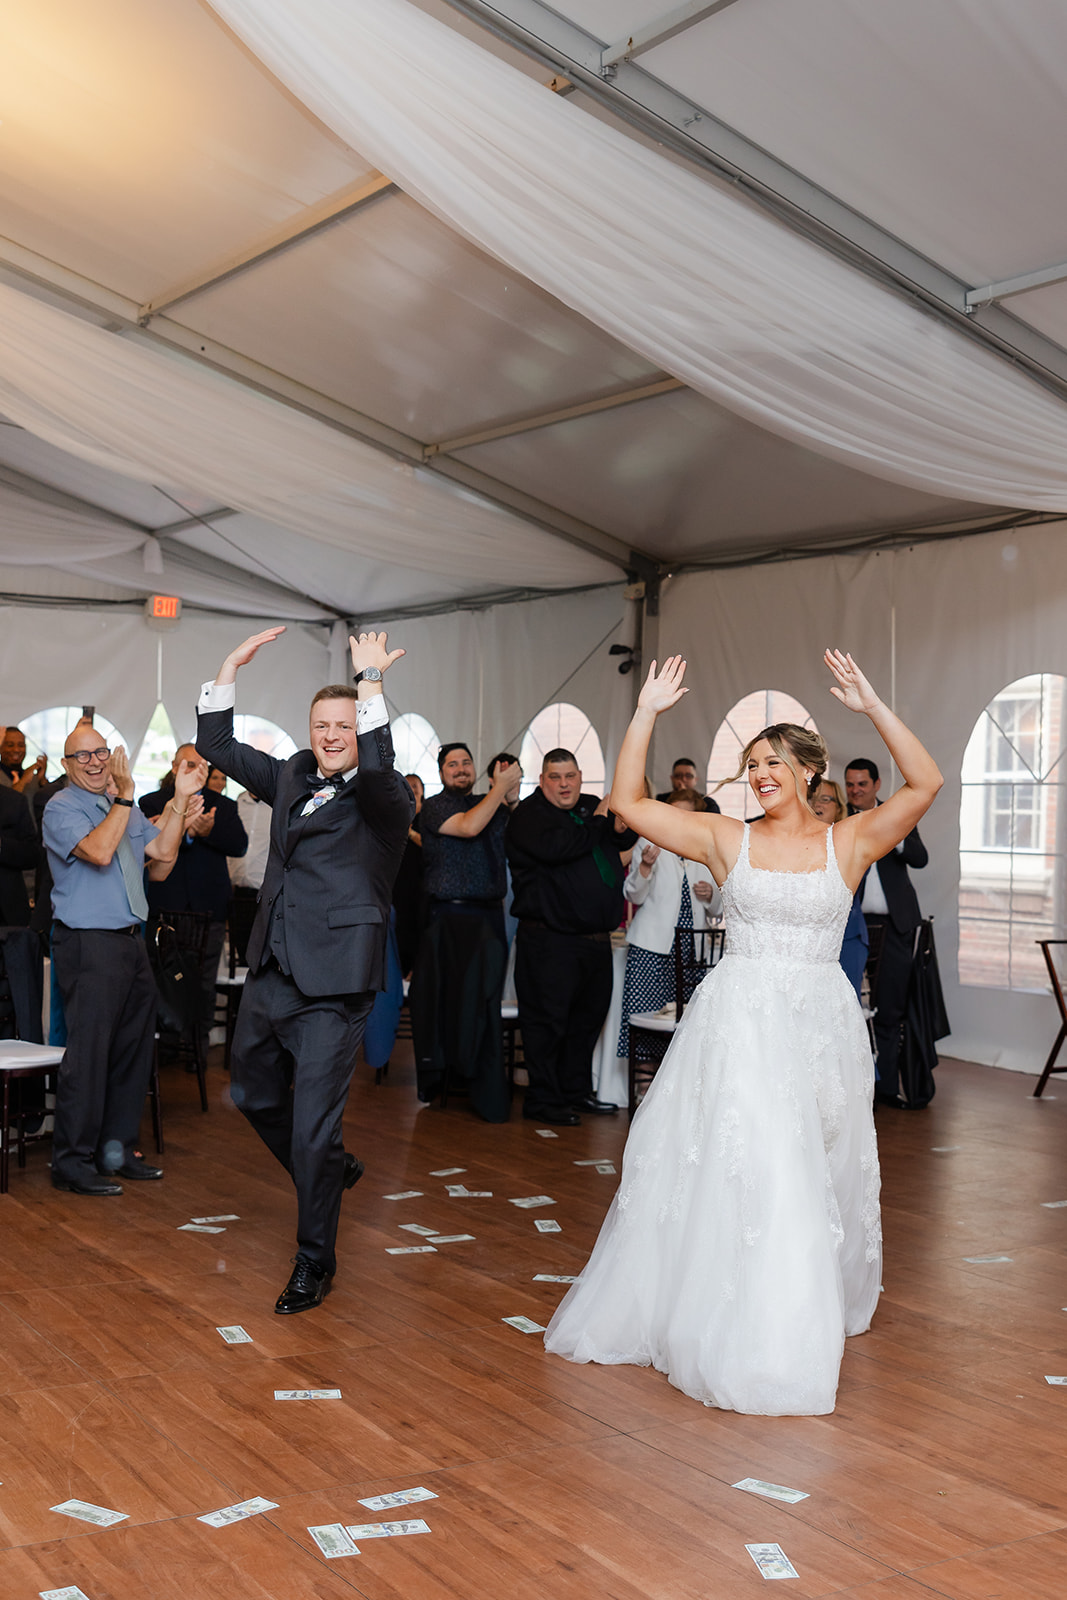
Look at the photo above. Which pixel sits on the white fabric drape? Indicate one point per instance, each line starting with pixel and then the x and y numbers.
pixel 688 274
pixel 161 418
pixel 36 533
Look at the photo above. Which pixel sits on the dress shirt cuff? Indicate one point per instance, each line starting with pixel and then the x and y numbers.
pixel 217 697
pixel 371 714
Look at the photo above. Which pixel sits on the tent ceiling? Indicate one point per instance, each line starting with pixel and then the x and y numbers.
pixel 142 149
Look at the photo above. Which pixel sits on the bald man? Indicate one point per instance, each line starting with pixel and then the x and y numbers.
pixel 98 846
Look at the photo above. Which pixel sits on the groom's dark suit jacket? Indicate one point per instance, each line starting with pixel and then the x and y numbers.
pixel 324 905
pixel 899 891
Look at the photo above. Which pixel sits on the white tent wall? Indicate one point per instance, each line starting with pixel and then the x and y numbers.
pixel 483 675
pixel 969 616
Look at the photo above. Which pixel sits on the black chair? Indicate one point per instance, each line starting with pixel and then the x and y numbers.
pixel 696 951
pixel 176 943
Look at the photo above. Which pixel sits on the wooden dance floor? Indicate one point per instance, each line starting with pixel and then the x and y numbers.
pixel 942 1472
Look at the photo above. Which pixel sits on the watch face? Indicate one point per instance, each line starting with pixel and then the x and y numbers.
pixel 371 674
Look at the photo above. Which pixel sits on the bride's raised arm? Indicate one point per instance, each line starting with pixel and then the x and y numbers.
pixel 872 834
pixel 702 836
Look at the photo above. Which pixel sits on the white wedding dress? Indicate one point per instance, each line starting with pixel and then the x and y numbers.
pixel 744 1243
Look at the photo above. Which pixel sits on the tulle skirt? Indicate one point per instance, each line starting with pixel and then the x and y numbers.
pixel 744 1242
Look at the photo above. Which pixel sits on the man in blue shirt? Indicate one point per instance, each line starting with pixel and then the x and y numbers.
pixel 98 846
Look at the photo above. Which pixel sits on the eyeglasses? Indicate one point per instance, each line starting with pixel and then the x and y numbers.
pixel 83 757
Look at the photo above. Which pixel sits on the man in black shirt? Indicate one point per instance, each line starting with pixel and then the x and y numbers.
pixel 684 776
pixel 567 880
pixel 459 976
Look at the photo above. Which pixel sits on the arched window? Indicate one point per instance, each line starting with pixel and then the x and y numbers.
pixel 1012 822
pixel 416 745
pixel 262 734
pixel 46 733
pixel 156 752
pixel 740 724
pixel 562 727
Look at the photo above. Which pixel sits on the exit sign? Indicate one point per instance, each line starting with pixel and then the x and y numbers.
pixel 162 610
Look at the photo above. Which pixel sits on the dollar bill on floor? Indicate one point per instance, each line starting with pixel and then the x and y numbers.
pixel 411 1250
pixel 553 1277
pixel 771 1491
pixel 531 1200
pixel 230 1217
pixel 85 1511
pixel 399 1497
pixel 447 1172
pixel 417 1227
pixel 386 1530
pixel 198 1227
pixel 607 1167
pixel 980 1261
pixel 592 1162
pixel 455 1189
pixel 547 1225
pixel 307 1394
pixel 478 1194
pixel 1053 1205
pixel 451 1238
pixel 524 1324
pixel 72 1592
pixel 945 1149
pixel 235 1335
pixel 405 1194
pixel 332 1539
pixel 1061 1381
pixel 546 1133
pixel 772 1561
pixel 244 1508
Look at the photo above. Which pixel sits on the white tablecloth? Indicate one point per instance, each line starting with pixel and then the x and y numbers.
pixel 611 1072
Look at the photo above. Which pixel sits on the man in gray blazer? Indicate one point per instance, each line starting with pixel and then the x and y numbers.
pixel 316 955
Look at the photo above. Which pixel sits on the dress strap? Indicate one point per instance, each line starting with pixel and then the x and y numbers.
pixel 831 853
pixel 742 854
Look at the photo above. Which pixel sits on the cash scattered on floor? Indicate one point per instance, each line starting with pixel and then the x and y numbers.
pixel 772 1561
pixel 198 1227
pixel 546 1133
pixel 235 1335
pixel 555 1277
pixel 417 1227
pixel 386 1530
pixel 406 1194
pixel 605 1166
pixel 524 1324
pixel 332 1539
pixel 533 1200
pixel 411 1250
pixel 72 1592
pixel 447 1172
pixel 238 1513
pixel 307 1394
pixel 85 1511
pixel 771 1491
pixel 451 1238
pixel 979 1261
pixel 1053 1205
pixel 399 1497
pixel 1056 1380
pixel 547 1225
pixel 230 1217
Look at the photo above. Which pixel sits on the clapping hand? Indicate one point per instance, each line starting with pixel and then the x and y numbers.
pixel 704 891
pixel 245 651
pixel 649 856
pixel 663 689
pixel 507 775
pixel 852 688
pixel 369 650
pixel 190 777
pixel 118 767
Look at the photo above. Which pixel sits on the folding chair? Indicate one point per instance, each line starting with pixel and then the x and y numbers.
pixel 1058 996
pixel 696 951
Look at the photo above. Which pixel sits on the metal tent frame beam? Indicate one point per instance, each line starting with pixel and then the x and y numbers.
pixel 662 113
pixel 663 28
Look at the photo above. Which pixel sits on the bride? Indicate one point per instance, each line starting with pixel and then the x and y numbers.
pixel 744 1243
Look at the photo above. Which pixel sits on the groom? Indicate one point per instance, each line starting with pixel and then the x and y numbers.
pixel 317 950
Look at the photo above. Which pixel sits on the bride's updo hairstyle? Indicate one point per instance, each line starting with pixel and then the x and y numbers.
pixel 797 747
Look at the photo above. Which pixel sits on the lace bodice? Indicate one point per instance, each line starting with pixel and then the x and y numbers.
pixel 786 916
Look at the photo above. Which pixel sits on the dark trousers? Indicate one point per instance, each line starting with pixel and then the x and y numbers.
pixel 563 986
pixel 890 1000
pixel 209 974
pixel 109 998
pixel 293 1056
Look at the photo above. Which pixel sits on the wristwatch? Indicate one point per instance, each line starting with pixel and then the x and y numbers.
pixel 369 675
pixel 119 801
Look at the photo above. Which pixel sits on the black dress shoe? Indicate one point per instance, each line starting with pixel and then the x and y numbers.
pixel 308 1287
pixel 353 1171
pixel 559 1119
pixel 595 1108
pixel 133 1172
pixel 85 1185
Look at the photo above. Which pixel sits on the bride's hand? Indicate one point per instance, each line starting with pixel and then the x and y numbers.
pixel 663 689
pixel 854 691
